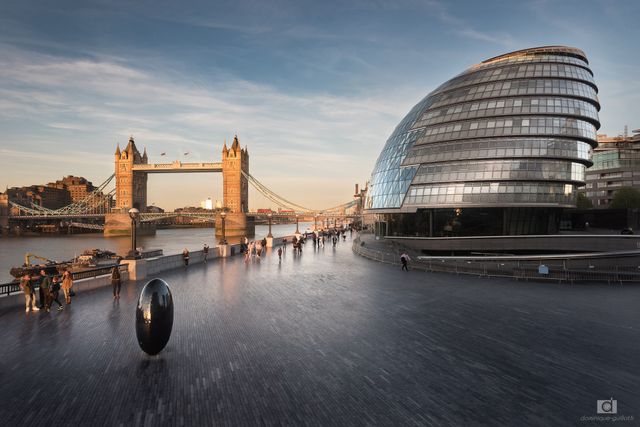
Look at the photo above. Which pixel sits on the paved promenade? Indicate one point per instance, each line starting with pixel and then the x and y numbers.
pixel 328 338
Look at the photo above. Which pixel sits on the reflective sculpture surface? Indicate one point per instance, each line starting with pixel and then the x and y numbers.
pixel 154 316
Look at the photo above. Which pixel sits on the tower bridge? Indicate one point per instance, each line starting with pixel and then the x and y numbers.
pixel 130 177
pixel 132 169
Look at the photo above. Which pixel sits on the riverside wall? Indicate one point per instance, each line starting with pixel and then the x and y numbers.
pixel 141 269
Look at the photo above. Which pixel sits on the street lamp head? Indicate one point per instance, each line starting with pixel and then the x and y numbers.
pixel 223 214
pixel 134 213
pixel 269 215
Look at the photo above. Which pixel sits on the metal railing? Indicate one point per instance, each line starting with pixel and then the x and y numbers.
pixel 14 287
pixel 594 267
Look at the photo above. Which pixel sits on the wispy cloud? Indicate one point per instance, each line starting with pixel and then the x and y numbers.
pixel 464 29
pixel 500 39
pixel 288 135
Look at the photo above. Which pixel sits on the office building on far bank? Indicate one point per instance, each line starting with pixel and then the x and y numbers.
pixel 616 164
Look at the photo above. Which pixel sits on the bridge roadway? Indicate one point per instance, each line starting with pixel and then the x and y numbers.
pixel 328 338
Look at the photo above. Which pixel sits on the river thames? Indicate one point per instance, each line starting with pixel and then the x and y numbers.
pixel 65 247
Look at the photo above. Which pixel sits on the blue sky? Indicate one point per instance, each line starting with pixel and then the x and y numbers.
pixel 313 88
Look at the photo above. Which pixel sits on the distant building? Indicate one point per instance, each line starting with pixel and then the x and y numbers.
pixel 500 149
pixel 4 211
pixel 41 195
pixel 154 209
pixel 192 209
pixel 207 204
pixel 79 187
pixel 265 211
pixel 60 193
pixel 616 164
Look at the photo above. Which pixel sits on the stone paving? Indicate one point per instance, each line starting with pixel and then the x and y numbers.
pixel 328 338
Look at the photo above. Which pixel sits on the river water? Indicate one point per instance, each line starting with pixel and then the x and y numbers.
pixel 65 247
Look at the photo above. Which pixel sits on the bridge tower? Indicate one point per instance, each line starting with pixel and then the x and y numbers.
pixel 131 192
pixel 131 187
pixel 4 214
pixel 235 160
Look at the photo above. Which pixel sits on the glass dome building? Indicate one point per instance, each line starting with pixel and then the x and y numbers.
pixel 499 149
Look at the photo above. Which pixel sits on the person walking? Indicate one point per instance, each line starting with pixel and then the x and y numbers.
pixel 284 244
pixel 41 295
pixel 116 281
pixel 247 254
pixel 279 254
pixel 29 294
pixel 67 284
pixel 54 293
pixel 404 258
pixel 205 252
pixel 45 289
pixel 185 257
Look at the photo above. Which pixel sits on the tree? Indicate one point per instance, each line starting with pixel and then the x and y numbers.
pixel 626 197
pixel 583 202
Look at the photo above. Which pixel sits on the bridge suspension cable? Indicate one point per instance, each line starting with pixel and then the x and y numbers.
pixel 282 202
pixel 94 203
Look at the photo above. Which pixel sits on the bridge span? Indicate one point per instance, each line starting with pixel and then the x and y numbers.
pixel 130 179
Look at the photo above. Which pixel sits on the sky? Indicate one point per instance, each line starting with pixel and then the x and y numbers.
pixel 313 88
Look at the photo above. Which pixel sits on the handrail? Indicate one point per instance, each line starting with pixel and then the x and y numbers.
pixel 520 237
pixel 14 286
pixel 586 255
pixel 524 267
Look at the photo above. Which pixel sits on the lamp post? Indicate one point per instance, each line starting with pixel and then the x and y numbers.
pixel 315 222
pixel 223 215
pixel 297 231
pixel 134 214
pixel 269 215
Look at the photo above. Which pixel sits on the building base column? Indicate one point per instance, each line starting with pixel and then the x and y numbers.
pixel 223 251
pixel 137 268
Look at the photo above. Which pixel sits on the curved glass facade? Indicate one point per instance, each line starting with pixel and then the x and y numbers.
pixel 514 131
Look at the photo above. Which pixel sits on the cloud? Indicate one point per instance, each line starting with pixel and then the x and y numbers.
pixel 82 105
pixel 501 39
pixel 464 29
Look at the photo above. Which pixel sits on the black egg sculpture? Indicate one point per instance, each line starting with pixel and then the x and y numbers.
pixel 154 316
